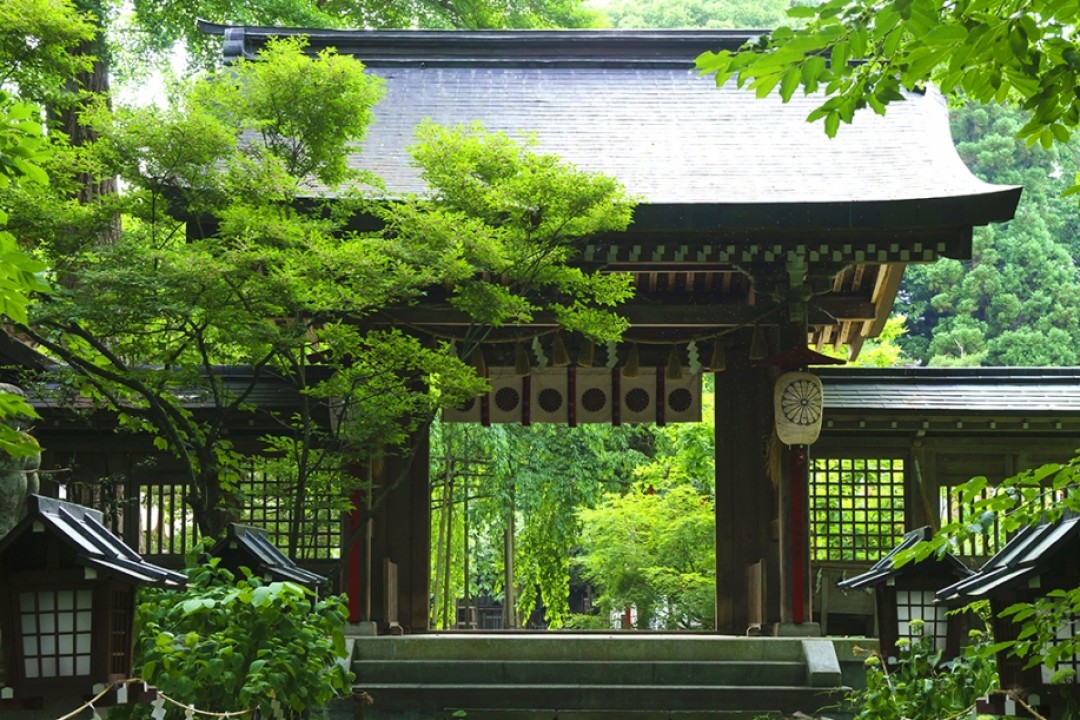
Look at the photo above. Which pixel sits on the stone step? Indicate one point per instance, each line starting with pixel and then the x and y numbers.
pixel 578 646
pixel 435 697
pixel 592 672
pixel 551 714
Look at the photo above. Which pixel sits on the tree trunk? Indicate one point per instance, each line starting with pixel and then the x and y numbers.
pixel 88 88
pixel 509 590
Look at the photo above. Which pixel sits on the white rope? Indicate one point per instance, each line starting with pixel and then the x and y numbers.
pixel 159 711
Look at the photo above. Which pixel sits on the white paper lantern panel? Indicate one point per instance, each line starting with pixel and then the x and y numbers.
pixel 682 399
pixel 797 408
pixel 467 413
pixel 549 401
pixel 592 391
pixel 506 401
pixel 637 397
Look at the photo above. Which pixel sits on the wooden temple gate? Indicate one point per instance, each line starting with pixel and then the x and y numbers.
pixel 754 232
pixel 755 235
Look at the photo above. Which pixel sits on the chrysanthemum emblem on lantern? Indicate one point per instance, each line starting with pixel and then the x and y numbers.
pixel 797 404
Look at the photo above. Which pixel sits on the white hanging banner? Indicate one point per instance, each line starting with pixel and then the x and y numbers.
pixel 797 408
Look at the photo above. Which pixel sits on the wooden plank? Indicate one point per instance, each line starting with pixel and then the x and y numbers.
pixel 745 500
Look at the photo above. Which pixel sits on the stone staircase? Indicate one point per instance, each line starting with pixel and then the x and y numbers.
pixel 597 676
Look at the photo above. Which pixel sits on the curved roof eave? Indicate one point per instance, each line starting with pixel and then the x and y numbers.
pixel 630 104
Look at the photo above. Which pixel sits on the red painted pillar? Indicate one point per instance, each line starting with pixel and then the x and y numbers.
pixel 354 557
pixel 799 537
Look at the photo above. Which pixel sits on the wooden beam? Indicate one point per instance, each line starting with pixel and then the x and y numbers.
pixel 825 310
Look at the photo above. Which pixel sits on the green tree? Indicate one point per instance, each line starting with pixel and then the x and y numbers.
pixel 652 544
pixel 630 14
pixel 22 147
pixel 161 23
pixel 654 549
pixel 275 281
pixel 35 37
pixel 1016 301
pixel 528 481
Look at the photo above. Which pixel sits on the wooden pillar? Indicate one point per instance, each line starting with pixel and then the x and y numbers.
pixel 401 534
pixel 356 547
pixel 795 579
pixel 745 500
pixel 796 584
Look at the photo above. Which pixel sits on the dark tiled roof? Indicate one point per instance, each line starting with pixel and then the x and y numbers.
pixel 263 557
pixel 670 136
pixel 883 569
pixel 1021 559
pixel 94 545
pixel 970 391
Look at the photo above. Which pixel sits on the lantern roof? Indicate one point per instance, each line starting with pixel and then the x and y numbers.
pixel 884 570
pixel 251 547
pixel 1022 558
pixel 93 544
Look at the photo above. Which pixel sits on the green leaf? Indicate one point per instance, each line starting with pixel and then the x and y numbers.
pixel 789 82
pixel 812 71
pixel 802 11
pixel 946 34
pixel 840 55
pixel 261 596
pixel 764 84
pixel 832 123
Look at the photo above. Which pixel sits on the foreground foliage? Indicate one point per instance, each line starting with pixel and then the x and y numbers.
pixel 226 645
pixel 35 39
pixel 1020 50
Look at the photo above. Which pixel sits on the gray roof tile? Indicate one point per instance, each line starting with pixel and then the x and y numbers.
pixel 1006 391
pixel 673 137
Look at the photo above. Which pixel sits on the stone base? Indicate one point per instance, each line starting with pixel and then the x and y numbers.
pixel 362 629
pixel 789 629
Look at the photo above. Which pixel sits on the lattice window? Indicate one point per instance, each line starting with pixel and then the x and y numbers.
pixel 856 507
pixel 57 630
pixel 978 546
pixel 919 605
pixel 166 523
pixel 269 503
pixel 1068 630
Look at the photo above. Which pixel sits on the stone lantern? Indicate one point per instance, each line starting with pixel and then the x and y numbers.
pixel 1036 561
pixel 908 593
pixel 67 604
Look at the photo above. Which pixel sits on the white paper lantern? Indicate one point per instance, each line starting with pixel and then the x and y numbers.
pixel 797 406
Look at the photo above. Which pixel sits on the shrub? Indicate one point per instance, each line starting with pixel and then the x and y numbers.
pixel 920 685
pixel 225 645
